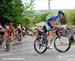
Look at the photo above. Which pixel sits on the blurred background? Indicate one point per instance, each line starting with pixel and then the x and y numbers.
pixel 32 12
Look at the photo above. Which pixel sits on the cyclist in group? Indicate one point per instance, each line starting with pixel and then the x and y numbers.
pixel 23 30
pixel 2 32
pixel 50 24
pixel 9 35
pixel 19 29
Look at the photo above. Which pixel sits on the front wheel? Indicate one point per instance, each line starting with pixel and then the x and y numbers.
pixel 40 45
pixel 62 44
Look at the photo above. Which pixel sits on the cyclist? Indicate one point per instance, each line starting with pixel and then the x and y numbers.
pixel 9 35
pixel 23 30
pixel 2 32
pixel 19 29
pixel 50 24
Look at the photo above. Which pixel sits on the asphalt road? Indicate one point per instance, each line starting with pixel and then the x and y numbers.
pixel 24 51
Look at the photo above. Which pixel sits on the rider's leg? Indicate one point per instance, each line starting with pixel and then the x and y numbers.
pixel 8 40
pixel 8 43
pixel 50 36
pixel 20 36
pixel 51 33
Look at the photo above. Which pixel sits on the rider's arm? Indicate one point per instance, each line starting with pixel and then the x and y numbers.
pixel 52 23
pixel 59 22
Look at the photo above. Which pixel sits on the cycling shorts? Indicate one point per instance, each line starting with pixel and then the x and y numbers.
pixel 48 27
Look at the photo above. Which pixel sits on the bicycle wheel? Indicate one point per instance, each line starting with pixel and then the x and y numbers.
pixel 40 45
pixel 62 44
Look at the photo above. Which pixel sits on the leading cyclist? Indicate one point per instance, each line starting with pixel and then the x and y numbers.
pixel 50 24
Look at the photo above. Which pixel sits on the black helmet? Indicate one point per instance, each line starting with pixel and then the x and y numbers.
pixel 60 12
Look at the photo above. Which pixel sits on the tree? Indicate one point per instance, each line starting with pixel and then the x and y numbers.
pixel 15 11
pixel 28 12
pixel 10 9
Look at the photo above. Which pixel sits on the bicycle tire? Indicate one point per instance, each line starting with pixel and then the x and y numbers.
pixel 62 51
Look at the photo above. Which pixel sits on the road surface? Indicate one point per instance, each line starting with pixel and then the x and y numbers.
pixel 25 52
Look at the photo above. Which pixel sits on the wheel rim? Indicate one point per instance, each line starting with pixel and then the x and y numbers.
pixel 62 44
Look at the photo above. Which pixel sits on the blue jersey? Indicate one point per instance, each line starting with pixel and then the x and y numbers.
pixel 52 18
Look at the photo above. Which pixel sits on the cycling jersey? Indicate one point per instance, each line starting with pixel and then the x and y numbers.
pixel 53 19
pixel 9 30
pixel 19 29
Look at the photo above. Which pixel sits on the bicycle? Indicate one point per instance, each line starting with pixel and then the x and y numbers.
pixel 40 44
pixel 17 37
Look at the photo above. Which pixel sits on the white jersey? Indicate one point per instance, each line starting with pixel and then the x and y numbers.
pixel 19 27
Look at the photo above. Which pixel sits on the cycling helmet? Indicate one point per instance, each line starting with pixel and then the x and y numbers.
pixel 60 12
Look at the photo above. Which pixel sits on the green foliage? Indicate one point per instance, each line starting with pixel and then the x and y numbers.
pixel 70 14
pixel 15 11
pixel 10 9
pixel 40 18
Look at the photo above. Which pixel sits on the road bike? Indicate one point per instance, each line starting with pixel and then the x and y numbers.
pixel 62 43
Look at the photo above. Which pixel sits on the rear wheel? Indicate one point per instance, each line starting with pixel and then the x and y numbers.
pixel 62 44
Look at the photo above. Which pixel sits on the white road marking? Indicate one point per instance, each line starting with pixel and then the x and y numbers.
pixel 13 59
pixel 6 54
